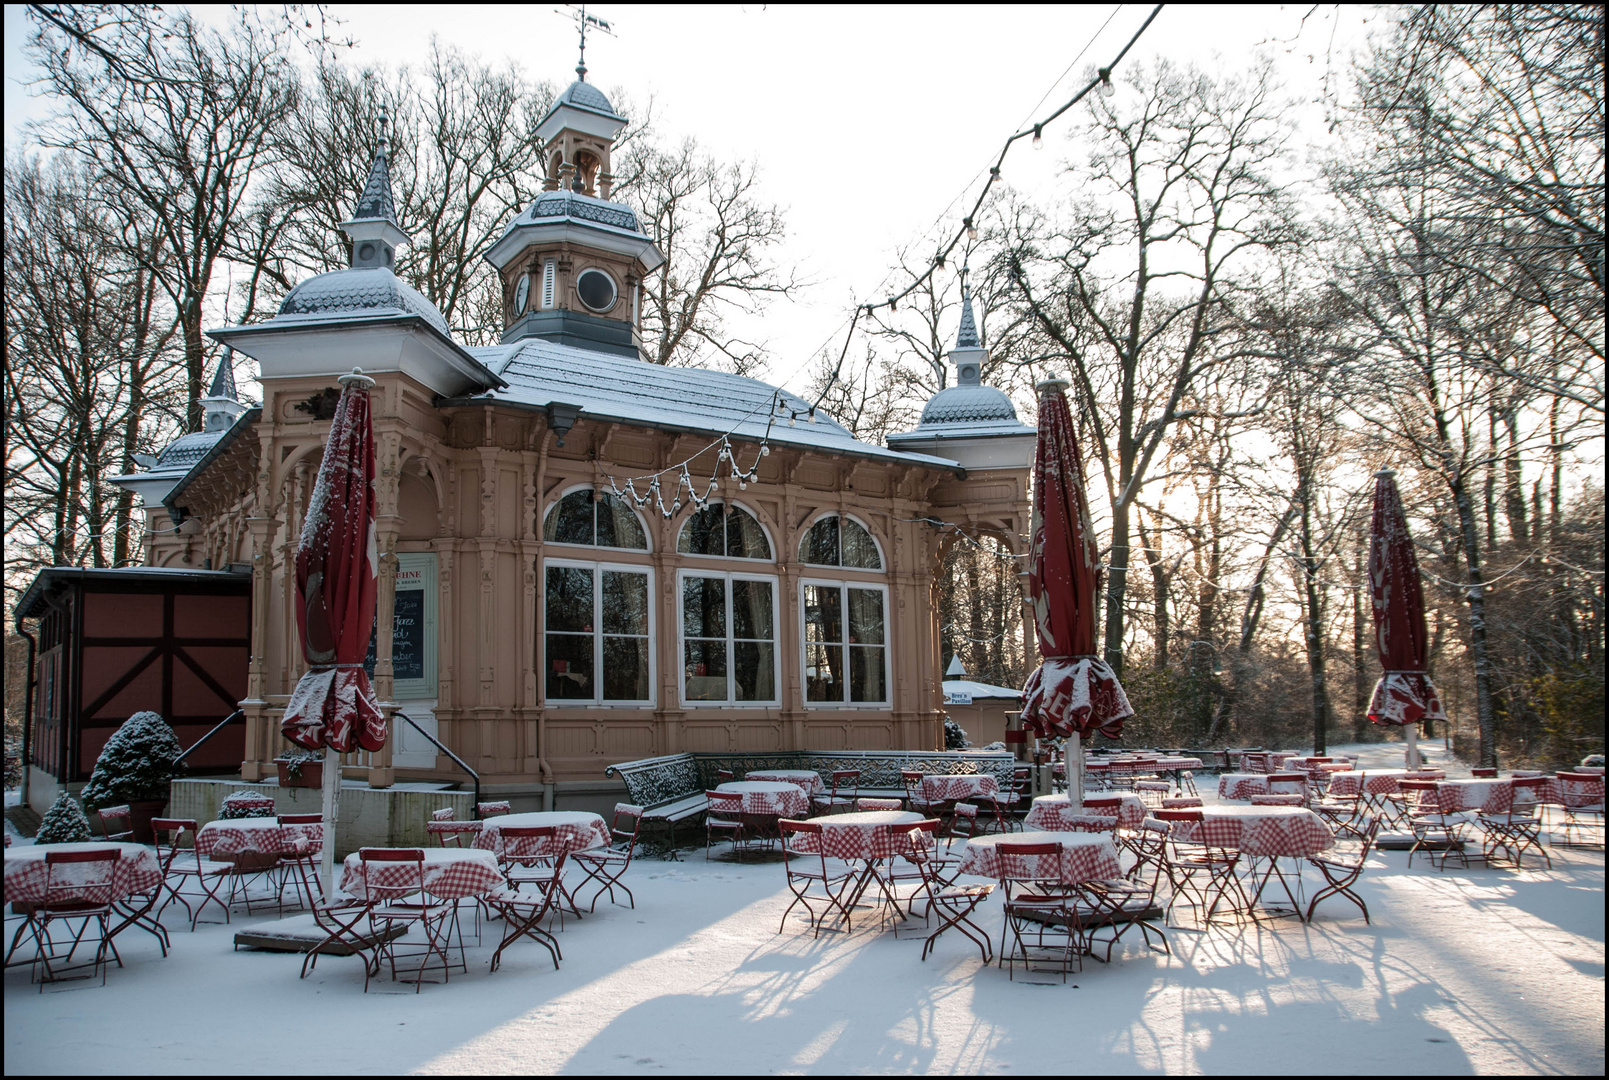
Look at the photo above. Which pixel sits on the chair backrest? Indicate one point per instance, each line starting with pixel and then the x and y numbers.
pixel 1420 795
pixel 845 780
pixel 1181 803
pixel 791 829
pixel 724 803
pixel 400 885
pixel 1528 790
pixel 301 819
pixel 177 826
pixel 1483 774
pixel 494 809
pixel 877 804
pixel 911 778
pixel 90 880
pixel 524 844
pixel 632 816
pixel 1029 862
pixel 1287 783
pixel 1092 823
pixel 1577 790
pixel 724 775
pixel 1276 800
pixel 444 814
pixel 1103 802
pixel 115 819
pixel 1177 815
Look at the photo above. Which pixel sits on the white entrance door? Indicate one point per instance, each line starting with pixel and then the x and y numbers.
pixel 412 750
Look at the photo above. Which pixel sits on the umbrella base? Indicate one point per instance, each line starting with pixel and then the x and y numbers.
pixel 300 933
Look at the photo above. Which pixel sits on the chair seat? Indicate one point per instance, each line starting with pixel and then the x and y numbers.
pixel 406 910
pixel 606 857
pixel 195 864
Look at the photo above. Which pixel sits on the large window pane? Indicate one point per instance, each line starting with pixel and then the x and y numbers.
pixel 820 544
pixel 751 610
pixel 704 533
pixel 704 607
pixel 859 550
pixel 823 614
pixel 618 526
pixel 866 674
pixel 625 602
pixel 865 617
pixel 569 599
pixel 754 671
pixel 823 673
pixel 625 669
pixel 571 521
pixel 705 670
pixel 744 537
pixel 569 666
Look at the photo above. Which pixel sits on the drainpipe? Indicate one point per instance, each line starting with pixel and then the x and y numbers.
pixel 544 770
pixel 28 713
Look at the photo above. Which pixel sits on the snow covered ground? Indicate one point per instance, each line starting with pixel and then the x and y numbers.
pixel 1490 971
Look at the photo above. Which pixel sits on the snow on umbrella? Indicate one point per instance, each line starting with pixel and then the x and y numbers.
pixel 1404 695
pixel 336 565
pixel 1073 692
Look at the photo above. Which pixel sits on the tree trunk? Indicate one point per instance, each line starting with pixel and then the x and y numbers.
pixel 1116 585
pixel 1485 710
pixel 1360 637
pixel 1313 617
pixel 1514 483
pixel 1152 540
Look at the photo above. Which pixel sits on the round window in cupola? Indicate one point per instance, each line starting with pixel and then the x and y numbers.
pixel 597 290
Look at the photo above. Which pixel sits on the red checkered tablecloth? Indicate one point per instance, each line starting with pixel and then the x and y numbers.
pixel 263 836
pixel 865 834
pixel 1266 830
pixel 577 830
pixel 1242 785
pixel 1489 795
pixel 1048 811
pixel 1380 781
pixel 1086 856
pixel 137 871
pixel 760 797
pixel 806 779
pixel 449 874
pixel 959 788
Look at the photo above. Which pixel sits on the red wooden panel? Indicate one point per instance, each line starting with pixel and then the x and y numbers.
pixel 226 664
pixel 90 742
pixel 122 615
pixel 224 750
pixel 144 692
pixel 104 665
pixel 212 616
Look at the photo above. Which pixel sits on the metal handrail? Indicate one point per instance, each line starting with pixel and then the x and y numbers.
pixel 456 759
pixel 231 718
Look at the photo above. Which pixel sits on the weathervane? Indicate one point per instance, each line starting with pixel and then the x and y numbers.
pixel 582 22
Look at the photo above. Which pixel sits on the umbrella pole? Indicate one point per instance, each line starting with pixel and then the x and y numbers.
pixel 331 809
pixel 1073 750
pixel 1411 733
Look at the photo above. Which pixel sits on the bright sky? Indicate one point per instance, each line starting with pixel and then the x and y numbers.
pixel 868 124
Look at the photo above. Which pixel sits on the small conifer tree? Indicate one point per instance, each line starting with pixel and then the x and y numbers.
pixel 63 823
pixel 136 763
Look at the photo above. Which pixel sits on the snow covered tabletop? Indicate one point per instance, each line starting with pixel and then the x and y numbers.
pixel 265 836
pixel 1242 785
pixel 1264 830
pixel 137 871
pixel 577 830
pixel 1085 856
pixel 1048 811
pixel 959 788
pixel 1484 794
pixel 449 874
pixel 866 834
pixel 808 780
pixel 1379 782
pixel 759 797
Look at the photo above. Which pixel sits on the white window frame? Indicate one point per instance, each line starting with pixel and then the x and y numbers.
pixel 642 522
pixel 844 584
pixel 682 574
pixel 770 540
pixel 882 557
pixel 597 700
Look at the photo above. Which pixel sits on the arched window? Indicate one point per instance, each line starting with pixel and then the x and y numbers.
pixel 579 518
pixel 840 541
pixel 728 531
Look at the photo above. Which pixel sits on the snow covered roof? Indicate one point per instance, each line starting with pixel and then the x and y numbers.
pixel 583 95
pixel 371 290
pixel 32 604
pixel 976 690
pixel 539 371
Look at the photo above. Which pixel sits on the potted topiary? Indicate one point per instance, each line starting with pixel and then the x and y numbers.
pixel 63 823
pixel 301 768
pixel 135 767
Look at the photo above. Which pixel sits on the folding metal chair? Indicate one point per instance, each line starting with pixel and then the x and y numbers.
pixel 309 850
pixel 1519 828
pixel 608 866
pixel 1581 799
pixel 1200 863
pixel 523 912
pixel 340 921
pixel 178 864
pixel 1341 871
pixel 953 903
pixel 78 885
pixel 496 808
pixel 1042 913
pixel 116 822
pixel 724 818
pixel 809 878
pixel 1433 828
pixel 395 906
pixel 842 791
pixel 916 800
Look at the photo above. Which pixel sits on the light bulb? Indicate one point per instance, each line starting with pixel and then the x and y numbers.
pixel 994 174
pixel 1039 138
pixel 743 485
pixel 793 418
pixel 765 451
pixel 1107 89
pixel 972 230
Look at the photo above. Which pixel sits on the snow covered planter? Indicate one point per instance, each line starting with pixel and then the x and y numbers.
pixel 301 770
pixel 63 823
pixel 246 804
pixel 135 767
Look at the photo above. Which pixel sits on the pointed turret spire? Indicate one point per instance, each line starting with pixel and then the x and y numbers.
pixel 373 228
pixel 223 380
pixel 968 337
pixel 968 355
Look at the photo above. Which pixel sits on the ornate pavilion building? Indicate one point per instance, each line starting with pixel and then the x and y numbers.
pixel 585 557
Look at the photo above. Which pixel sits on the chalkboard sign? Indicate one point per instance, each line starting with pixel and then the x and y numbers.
pixel 413 629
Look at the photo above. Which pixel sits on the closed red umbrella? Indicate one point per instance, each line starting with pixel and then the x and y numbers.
pixel 336 575
pixel 1073 692
pixel 1404 695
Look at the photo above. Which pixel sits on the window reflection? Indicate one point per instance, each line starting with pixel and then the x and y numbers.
pixel 596 616
pixel 603 521
pixel 717 529
pixel 728 639
pixel 840 541
pixel 844 624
